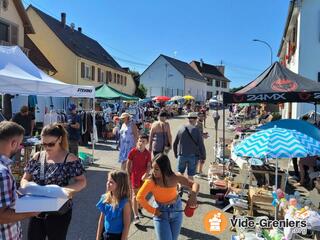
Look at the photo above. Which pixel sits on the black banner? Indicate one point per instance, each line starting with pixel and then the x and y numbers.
pixel 280 97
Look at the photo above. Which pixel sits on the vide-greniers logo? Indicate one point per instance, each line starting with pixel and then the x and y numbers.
pixel 84 90
pixel 216 222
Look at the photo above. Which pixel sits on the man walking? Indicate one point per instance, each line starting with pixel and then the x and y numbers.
pixel 188 147
pixel 73 128
pixel 11 135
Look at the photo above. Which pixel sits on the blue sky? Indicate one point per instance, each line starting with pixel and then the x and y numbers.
pixel 136 32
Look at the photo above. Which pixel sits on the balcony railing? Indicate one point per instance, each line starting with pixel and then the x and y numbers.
pixel 25 50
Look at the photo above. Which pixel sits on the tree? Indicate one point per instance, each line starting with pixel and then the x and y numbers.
pixel 235 89
pixel 141 91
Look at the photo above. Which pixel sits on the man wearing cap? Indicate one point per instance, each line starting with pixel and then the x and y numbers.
pixel 188 146
pixel 73 128
pixel 26 120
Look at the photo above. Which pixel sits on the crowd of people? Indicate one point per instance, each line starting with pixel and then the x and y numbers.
pixel 144 170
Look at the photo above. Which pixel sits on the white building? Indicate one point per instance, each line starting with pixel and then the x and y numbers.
pixel 172 77
pixel 300 47
pixel 214 75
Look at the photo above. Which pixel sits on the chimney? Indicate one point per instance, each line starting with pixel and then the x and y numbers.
pixel 201 62
pixel 63 19
pixel 80 29
pixel 220 68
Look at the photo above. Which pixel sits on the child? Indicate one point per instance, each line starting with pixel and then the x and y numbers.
pixel 115 208
pixel 139 163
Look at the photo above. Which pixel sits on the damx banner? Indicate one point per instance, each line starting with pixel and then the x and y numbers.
pixel 277 84
pixel 271 97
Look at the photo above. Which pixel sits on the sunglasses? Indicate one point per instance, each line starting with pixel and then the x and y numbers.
pixel 50 145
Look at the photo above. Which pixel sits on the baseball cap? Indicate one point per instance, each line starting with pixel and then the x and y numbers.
pixel 192 115
pixel 72 107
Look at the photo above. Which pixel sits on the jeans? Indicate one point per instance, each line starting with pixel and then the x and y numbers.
pixel 168 224
pixel 189 161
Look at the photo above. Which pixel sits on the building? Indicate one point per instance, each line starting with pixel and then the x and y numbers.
pixel 14 24
pixel 300 48
pixel 214 75
pixel 77 58
pixel 37 57
pixel 172 77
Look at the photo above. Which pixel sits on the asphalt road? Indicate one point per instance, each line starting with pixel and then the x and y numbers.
pixel 85 215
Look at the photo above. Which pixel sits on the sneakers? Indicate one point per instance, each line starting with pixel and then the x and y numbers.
pixel 136 220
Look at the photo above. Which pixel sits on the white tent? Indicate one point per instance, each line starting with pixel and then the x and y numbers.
pixel 18 75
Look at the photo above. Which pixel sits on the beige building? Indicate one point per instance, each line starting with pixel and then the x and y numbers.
pixel 14 23
pixel 77 58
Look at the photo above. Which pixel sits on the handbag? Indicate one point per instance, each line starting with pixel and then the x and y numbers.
pixel 68 204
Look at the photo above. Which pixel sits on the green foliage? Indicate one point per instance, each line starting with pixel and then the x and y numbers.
pixel 141 91
pixel 235 89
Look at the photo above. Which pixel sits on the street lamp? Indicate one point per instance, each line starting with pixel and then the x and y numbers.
pixel 264 42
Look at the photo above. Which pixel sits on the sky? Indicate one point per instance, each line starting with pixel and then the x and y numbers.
pixel 136 32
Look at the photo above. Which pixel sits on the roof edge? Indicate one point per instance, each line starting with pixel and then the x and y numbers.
pixel 27 25
pixel 290 13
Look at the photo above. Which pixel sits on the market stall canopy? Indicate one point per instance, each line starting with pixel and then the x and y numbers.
pixel 277 84
pixel 109 93
pixel 18 75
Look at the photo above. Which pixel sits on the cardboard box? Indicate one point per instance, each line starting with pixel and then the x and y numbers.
pixel 29 203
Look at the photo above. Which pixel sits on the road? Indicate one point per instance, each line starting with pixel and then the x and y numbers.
pixel 85 214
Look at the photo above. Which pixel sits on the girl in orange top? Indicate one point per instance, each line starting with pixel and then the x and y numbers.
pixel 167 208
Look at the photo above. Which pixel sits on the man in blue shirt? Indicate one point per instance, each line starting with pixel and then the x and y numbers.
pixel 73 128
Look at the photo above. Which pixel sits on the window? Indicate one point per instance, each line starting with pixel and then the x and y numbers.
pixel 209 82
pixel 217 83
pixel 217 93
pixel 83 70
pixel 99 75
pixel 108 76
pixel 102 77
pixel 121 79
pixel 125 80
pixel 224 84
pixel 118 78
pixel 93 71
pixel 4 32
pixel 88 72
pixel 115 78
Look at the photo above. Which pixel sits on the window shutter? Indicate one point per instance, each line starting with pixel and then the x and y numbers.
pixel 121 79
pixel 82 70
pixel 125 81
pixel 99 75
pixel 14 34
pixel 93 73
pixel 114 77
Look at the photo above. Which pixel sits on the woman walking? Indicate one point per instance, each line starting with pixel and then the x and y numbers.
pixel 57 166
pixel 160 135
pixel 167 207
pixel 128 138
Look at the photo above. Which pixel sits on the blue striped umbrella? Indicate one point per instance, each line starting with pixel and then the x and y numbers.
pixel 278 143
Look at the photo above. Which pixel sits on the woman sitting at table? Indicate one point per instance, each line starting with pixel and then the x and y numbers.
pixel 57 166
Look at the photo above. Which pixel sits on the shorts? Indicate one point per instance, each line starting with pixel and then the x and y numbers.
pixel 187 161
pixel 136 181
